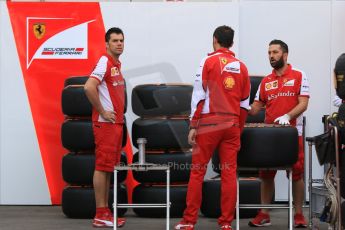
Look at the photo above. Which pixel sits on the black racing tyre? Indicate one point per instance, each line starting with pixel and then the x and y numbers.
pixel 254 85
pixel 258 118
pixel 76 80
pixel 74 101
pixel 79 202
pixel 77 169
pixel 217 168
pixel 162 133
pixel 157 195
pixel 180 164
pixel 249 194
pixel 161 100
pixel 80 81
pixel 77 135
pixel 268 146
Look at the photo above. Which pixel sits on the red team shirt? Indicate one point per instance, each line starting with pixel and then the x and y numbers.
pixel 280 94
pixel 111 88
pixel 221 87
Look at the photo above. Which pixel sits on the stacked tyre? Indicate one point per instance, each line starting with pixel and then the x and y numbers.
pixel 163 110
pixel 78 200
pixel 249 184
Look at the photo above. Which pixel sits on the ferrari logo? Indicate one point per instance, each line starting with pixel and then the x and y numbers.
pixel 229 82
pixel 39 30
pixel 224 61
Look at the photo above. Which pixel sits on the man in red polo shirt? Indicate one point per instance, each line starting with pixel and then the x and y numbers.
pixel 105 91
pixel 285 93
pixel 220 102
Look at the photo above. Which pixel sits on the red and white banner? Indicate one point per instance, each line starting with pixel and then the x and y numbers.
pixel 63 40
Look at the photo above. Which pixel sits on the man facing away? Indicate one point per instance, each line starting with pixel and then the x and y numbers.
pixel 219 106
pixel 285 93
pixel 105 91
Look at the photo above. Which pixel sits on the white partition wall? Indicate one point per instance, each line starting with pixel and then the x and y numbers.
pixel 164 42
pixel 22 177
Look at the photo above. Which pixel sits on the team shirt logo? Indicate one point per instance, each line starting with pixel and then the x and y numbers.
pixel 39 30
pixel 114 71
pixel 116 83
pixel 229 82
pixel 233 67
pixel 289 83
pixel 271 85
pixel 223 60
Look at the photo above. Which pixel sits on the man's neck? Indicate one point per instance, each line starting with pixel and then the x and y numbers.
pixel 115 57
pixel 280 71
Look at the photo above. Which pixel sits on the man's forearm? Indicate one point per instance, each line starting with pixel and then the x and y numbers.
pixel 298 109
pixel 254 108
pixel 92 95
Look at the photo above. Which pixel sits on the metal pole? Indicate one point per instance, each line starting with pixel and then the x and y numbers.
pixel 115 199
pixel 310 181
pixel 168 199
pixel 141 144
pixel 290 200
pixel 338 174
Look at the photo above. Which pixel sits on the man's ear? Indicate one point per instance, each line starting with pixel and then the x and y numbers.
pixel 285 55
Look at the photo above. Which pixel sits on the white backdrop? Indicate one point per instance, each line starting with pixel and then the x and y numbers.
pixel 165 43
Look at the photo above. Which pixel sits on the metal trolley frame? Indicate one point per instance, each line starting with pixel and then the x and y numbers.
pixel 311 181
pixel 143 167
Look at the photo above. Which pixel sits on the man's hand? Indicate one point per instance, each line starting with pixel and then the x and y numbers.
pixel 191 137
pixel 283 120
pixel 109 116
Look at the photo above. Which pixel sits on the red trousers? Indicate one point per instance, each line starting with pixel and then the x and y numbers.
pixel 225 137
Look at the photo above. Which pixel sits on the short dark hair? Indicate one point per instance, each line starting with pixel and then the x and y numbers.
pixel 282 44
pixel 224 35
pixel 112 30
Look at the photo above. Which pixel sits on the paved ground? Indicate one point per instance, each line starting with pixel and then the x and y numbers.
pixel 51 218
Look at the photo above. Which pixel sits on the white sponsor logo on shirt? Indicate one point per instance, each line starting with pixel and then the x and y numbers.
pixel 281 94
pixel 233 67
pixel 289 83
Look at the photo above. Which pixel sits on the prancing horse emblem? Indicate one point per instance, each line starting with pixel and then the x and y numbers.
pixel 39 30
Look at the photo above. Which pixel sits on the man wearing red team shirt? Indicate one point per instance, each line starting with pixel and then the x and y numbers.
pixel 220 102
pixel 285 93
pixel 105 91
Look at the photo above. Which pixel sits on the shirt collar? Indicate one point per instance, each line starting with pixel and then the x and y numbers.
pixel 286 72
pixel 112 60
pixel 222 50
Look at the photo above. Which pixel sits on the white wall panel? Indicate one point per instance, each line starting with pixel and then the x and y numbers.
pixel 22 178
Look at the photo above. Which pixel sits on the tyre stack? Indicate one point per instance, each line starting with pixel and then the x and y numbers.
pixel 249 184
pixel 163 110
pixel 78 200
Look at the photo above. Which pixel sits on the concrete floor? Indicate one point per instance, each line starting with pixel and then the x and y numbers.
pixel 51 218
